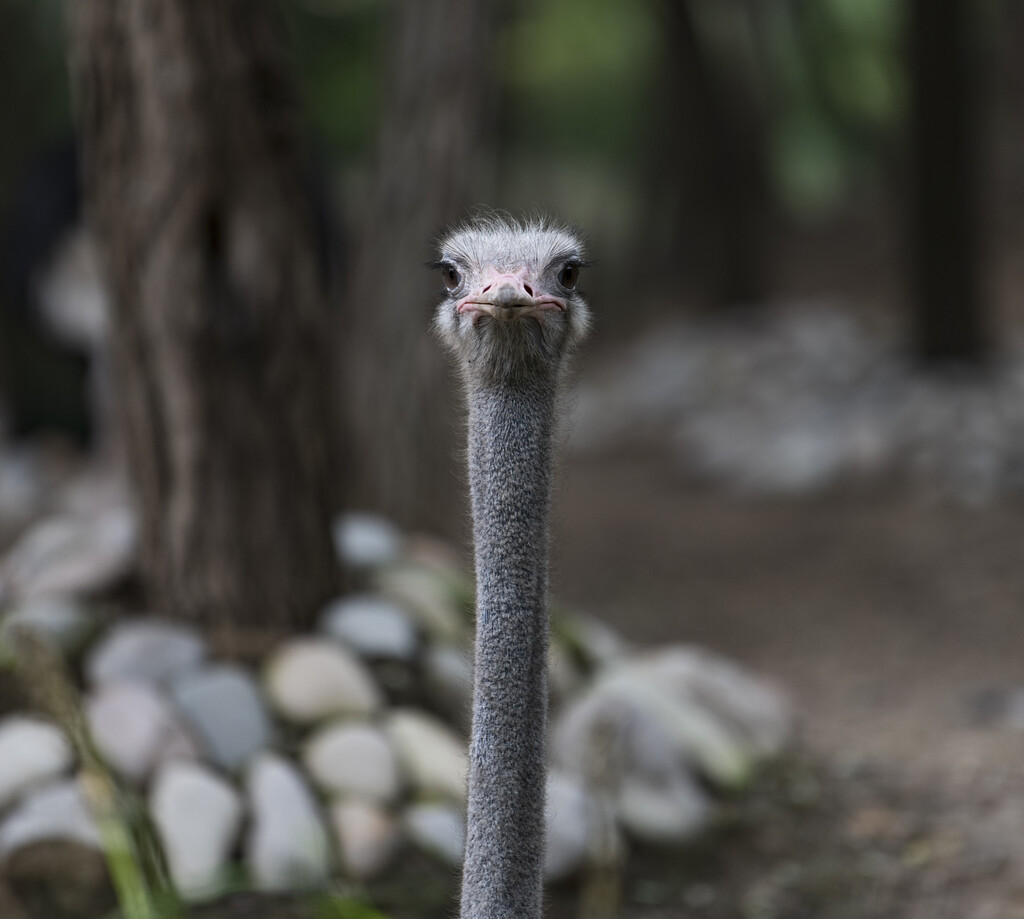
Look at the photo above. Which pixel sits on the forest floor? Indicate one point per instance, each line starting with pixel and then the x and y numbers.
pixel 896 625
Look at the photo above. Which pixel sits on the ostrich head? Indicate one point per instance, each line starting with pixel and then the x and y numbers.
pixel 511 310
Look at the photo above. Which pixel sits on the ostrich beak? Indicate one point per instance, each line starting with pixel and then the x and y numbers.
pixel 506 297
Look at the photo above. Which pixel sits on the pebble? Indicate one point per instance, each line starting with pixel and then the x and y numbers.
pixel 372 626
pixel 58 619
pixel 433 757
pixel 144 651
pixel 31 752
pixel 568 822
pixel 438 829
pixel 55 812
pixel 353 759
pixel 366 540
pixel 309 679
pixel 287 845
pixel 663 815
pixel 223 707
pixel 197 815
pixel 448 680
pixel 134 728
pixel 429 597
pixel 757 711
pixel 72 554
pixel 368 837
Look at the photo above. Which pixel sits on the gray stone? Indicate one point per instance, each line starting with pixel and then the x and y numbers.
pixel 372 626
pixel 348 758
pixel 197 815
pixel 448 679
pixel 434 759
pixel 143 651
pixel 366 540
pixel 367 836
pixel 59 620
pixel 287 845
pixel 569 826
pixel 439 829
pixel 134 728
pixel 56 812
pixel 71 554
pixel 754 710
pixel 428 595
pixel 31 752
pixel 223 707
pixel 665 814
pixel 310 679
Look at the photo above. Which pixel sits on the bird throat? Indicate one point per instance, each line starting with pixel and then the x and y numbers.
pixel 510 471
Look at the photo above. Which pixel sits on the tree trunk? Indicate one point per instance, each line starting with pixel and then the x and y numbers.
pixel 401 420
pixel 714 166
pixel 944 188
pixel 194 189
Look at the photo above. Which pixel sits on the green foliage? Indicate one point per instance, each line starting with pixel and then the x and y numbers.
pixel 332 906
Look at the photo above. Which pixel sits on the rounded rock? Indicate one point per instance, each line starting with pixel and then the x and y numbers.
pixel 223 707
pixel 353 759
pixel 438 829
pixel 31 752
pixel 372 626
pixel 56 812
pixel 134 728
pixel 433 757
pixel 197 815
pixel 311 679
pixel 367 835
pixel 144 651
pixel 287 846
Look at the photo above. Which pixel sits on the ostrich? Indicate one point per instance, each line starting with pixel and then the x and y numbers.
pixel 510 316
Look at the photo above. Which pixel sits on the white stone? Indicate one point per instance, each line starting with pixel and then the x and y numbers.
pixel 428 595
pixel 31 752
pixel 372 626
pixel 568 826
pixel 433 757
pixel 366 540
pixel 663 815
pixel 56 812
pixel 752 708
pixel 72 554
pixel 353 759
pixel 197 816
pixel 287 846
pixel 448 679
pixel 134 728
pixel 310 679
pixel 223 707
pixel 58 619
pixel 144 651
pixel 439 829
pixel 367 836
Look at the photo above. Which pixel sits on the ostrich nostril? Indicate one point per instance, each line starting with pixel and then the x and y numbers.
pixel 487 288
pixel 528 289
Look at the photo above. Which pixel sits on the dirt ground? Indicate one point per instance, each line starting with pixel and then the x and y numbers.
pixel 895 624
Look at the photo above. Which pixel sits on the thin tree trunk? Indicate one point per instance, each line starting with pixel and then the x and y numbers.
pixel 401 402
pixel 944 189
pixel 193 187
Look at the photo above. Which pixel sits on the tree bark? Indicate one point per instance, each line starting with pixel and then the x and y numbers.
pixel 193 186
pixel 944 187
pixel 401 420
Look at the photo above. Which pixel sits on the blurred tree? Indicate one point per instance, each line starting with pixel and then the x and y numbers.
pixel 193 185
pixel 428 169
pixel 944 138
pixel 714 157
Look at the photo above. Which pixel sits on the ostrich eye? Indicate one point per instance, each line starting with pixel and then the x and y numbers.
pixel 569 275
pixel 452 278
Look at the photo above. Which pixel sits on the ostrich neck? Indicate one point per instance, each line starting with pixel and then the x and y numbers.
pixel 510 445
